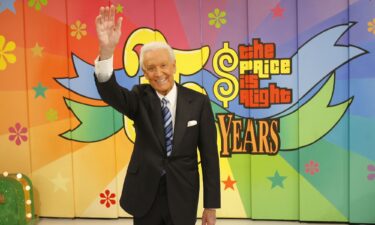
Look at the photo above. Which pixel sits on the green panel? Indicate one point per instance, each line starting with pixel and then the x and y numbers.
pixel 315 206
pixel 330 179
pixel 274 188
pixel 362 190
pixel 240 165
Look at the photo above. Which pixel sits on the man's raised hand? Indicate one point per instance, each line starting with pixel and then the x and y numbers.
pixel 108 31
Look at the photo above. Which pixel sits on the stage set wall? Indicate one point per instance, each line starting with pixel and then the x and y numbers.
pixel 295 143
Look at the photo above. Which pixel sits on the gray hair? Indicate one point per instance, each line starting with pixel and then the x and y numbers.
pixel 154 46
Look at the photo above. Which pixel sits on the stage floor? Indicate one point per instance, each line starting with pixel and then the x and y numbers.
pixel 53 221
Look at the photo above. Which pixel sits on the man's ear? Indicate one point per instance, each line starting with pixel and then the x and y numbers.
pixel 174 66
pixel 145 75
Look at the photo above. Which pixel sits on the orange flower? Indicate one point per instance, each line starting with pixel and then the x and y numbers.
pixel 78 29
pixel 371 26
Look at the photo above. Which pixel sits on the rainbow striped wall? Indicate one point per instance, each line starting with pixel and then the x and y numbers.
pixel 291 85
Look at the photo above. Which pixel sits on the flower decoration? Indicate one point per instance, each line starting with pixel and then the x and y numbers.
pixel 107 198
pixel 312 167
pixel 51 115
pixel 371 26
pixel 37 4
pixel 217 18
pixel 18 134
pixel 5 53
pixel 78 29
pixel 371 170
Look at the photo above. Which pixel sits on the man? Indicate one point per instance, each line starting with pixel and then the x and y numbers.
pixel 162 180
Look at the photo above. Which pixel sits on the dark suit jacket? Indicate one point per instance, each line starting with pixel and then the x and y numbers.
pixel 149 159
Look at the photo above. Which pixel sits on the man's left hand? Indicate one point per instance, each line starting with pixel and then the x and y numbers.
pixel 209 217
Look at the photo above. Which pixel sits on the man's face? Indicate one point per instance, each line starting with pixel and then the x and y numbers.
pixel 159 69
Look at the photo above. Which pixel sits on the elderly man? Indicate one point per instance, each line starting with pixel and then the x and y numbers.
pixel 171 122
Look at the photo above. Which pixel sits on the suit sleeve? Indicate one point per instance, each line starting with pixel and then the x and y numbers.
pixel 209 157
pixel 120 98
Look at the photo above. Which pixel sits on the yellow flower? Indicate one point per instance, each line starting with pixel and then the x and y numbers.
pixel 5 55
pixel 217 18
pixel 78 29
pixel 371 26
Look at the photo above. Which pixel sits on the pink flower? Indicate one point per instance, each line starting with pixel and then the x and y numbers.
pixel 107 198
pixel 18 133
pixel 312 167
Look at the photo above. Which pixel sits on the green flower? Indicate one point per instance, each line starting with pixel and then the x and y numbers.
pixel 51 115
pixel 37 4
pixel 217 18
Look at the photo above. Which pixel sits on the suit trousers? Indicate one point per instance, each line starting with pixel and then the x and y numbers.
pixel 159 212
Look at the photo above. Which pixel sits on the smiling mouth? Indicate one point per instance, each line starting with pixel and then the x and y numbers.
pixel 161 81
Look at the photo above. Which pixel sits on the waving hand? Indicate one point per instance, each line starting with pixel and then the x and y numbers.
pixel 108 31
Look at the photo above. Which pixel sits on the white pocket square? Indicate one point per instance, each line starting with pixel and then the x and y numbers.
pixel 192 123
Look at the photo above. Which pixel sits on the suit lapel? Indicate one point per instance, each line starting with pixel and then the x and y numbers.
pixel 154 113
pixel 182 113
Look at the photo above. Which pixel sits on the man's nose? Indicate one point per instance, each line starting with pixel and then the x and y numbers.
pixel 158 71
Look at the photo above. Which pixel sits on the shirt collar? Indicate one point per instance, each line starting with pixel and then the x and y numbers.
pixel 171 96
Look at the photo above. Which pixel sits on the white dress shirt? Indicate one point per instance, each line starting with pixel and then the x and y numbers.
pixel 103 69
pixel 172 101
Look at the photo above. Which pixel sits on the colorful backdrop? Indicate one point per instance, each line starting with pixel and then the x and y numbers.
pixel 291 85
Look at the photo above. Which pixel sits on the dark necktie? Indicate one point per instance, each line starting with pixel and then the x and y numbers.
pixel 168 126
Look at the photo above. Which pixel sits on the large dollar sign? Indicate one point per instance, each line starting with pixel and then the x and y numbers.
pixel 226 88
